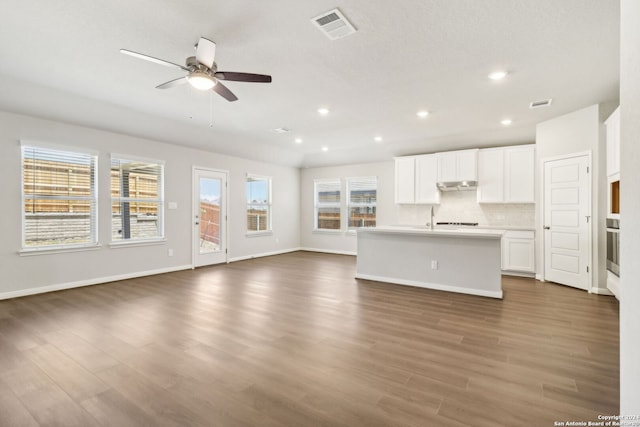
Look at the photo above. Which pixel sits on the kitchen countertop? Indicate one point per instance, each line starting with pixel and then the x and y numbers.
pixel 423 230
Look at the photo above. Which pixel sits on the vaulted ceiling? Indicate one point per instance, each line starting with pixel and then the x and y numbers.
pixel 60 60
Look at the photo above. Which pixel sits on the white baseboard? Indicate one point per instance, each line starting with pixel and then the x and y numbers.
pixel 613 284
pixel 89 282
pixel 328 251
pixel 280 252
pixel 518 274
pixel 436 286
pixel 540 277
pixel 601 291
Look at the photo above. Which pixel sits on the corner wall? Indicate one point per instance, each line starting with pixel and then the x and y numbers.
pixel 22 275
pixel 630 207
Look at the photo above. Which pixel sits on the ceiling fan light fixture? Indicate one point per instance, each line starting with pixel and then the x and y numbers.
pixel 201 80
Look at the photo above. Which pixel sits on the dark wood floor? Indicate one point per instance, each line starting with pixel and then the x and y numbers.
pixel 295 340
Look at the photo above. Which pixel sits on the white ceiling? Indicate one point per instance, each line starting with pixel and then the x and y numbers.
pixel 60 59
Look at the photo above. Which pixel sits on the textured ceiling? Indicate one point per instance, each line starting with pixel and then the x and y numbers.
pixel 60 59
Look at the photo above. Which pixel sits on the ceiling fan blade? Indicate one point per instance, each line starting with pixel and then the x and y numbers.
pixel 152 59
pixel 224 91
pixel 242 77
pixel 173 83
pixel 206 52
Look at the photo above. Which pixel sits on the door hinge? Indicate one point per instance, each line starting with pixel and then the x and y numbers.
pixel 587 268
pixel 587 169
pixel 226 251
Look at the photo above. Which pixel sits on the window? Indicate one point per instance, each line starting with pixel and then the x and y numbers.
pixel 258 204
pixel 59 198
pixel 327 204
pixel 137 206
pixel 361 201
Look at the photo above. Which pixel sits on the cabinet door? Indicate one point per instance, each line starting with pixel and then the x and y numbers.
pixel 518 251
pixel 467 165
pixel 405 180
pixel 491 175
pixel 447 166
pixel 426 178
pixel 520 174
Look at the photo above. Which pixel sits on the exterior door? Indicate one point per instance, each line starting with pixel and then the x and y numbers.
pixel 567 221
pixel 209 217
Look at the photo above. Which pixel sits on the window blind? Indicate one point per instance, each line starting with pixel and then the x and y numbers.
pixel 59 197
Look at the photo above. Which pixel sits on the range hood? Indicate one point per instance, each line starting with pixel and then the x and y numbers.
pixel 457 185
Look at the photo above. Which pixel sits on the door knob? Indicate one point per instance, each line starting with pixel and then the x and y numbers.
pixel 546 227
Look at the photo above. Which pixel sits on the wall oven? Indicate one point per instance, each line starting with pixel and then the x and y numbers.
pixel 613 246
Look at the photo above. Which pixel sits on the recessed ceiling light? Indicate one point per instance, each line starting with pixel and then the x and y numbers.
pixel 298 140
pixel 323 111
pixel 377 138
pixel 506 122
pixel 325 148
pixel 422 114
pixel 498 75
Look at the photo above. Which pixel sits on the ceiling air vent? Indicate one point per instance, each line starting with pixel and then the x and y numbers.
pixel 540 104
pixel 333 24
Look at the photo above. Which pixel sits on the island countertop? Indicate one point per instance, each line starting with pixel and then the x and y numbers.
pixel 425 231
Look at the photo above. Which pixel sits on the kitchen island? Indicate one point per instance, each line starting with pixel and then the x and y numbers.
pixel 464 260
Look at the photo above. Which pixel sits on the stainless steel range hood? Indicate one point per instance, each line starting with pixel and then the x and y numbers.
pixel 457 185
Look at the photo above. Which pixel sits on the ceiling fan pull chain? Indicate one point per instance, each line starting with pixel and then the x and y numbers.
pixel 211 108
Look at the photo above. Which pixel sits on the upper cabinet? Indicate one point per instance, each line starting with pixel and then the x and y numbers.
pixel 613 143
pixel 506 174
pixel 405 179
pixel 416 178
pixel 457 165
pixel 426 178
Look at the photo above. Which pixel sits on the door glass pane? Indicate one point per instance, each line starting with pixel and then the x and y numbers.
pixel 209 215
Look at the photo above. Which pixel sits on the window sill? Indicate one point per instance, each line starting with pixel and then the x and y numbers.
pixel 320 231
pixel 259 233
pixel 133 243
pixel 57 250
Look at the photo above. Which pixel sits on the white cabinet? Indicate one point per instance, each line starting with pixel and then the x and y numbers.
pixel 506 174
pixel 405 179
pixel 426 177
pixel 416 178
pixel 458 165
pixel 518 251
pixel 519 174
pixel 491 175
pixel 613 143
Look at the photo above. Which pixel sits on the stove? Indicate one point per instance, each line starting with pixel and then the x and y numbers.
pixel 459 224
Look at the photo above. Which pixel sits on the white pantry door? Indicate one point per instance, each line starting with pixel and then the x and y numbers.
pixel 209 217
pixel 567 221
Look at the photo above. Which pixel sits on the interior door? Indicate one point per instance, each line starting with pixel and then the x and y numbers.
pixel 567 221
pixel 209 217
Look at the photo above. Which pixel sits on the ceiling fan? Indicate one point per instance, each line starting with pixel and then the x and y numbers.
pixel 202 71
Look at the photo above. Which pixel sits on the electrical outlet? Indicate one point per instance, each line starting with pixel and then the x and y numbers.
pixel 434 264
pixel 170 252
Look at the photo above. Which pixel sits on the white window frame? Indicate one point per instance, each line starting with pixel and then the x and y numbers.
pixel 349 204
pixel 268 205
pixel 160 237
pixel 317 204
pixel 92 156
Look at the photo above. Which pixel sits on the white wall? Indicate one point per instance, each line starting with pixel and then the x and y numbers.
pixel 344 241
pixel 578 132
pixel 630 208
pixel 25 274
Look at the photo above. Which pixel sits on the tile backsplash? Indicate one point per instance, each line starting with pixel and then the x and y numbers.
pixel 462 206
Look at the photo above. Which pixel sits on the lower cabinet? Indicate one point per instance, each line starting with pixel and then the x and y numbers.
pixel 518 252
